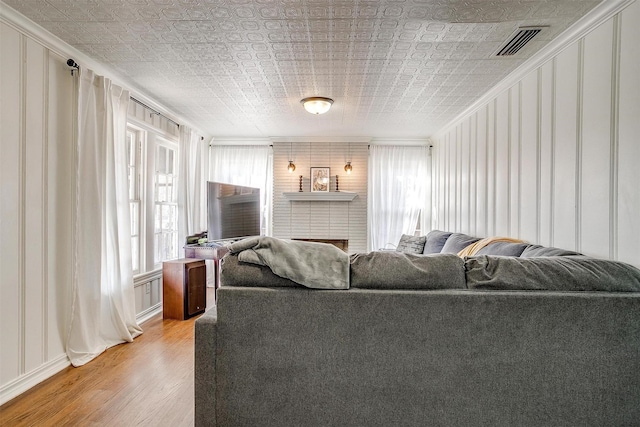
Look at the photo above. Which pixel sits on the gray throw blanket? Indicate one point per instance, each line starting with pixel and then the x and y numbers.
pixel 314 265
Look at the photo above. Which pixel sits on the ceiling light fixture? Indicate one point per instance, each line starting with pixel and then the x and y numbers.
pixel 317 104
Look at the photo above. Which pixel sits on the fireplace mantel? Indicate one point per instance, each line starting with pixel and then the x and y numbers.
pixel 320 196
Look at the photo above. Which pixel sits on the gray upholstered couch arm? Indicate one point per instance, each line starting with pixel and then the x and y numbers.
pixel 206 328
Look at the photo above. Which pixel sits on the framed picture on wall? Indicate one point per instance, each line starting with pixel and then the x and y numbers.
pixel 320 178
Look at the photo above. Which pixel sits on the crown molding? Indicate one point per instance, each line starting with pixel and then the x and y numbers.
pixel 400 141
pixel 327 139
pixel 598 15
pixel 239 141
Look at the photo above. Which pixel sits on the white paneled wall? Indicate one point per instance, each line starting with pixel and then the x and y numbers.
pixel 36 214
pixel 321 220
pixel 555 158
pixel 37 178
pixel 148 294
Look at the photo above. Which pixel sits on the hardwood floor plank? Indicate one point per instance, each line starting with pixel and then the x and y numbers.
pixel 148 382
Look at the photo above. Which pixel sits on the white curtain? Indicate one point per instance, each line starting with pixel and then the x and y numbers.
pixel 398 193
pixel 249 165
pixel 103 308
pixel 192 181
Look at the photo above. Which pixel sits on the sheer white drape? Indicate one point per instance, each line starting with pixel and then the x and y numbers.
pixel 103 308
pixel 192 182
pixel 398 193
pixel 250 165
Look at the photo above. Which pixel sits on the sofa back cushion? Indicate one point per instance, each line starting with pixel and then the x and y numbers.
pixel 503 249
pixel 457 242
pixel 435 241
pixel 236 273
pixel 554 273
pixel 396 270
pixel 537 250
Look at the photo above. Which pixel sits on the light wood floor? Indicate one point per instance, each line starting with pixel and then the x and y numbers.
pixel 145 383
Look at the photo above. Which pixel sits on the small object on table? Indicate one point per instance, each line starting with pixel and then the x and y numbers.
pixel 300 187
pixel 337 184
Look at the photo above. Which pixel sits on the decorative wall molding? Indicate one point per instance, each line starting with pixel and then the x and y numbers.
pixel 391 141
pixel 149 313
pixel 240 141
pixel 143 278
pixel 25 382
pixel 320 139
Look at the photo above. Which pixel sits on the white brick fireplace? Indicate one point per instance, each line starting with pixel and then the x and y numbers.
pixel 315 219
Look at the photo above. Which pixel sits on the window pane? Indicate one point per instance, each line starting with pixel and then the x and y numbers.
pixel 134 209
pixel 135 253
pixel 170 165
pixel 161 161
pixel 166 210
pixel 157 226
pixel 162 193
pixel 174 187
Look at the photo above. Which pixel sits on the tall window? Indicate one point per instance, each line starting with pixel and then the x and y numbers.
pixel 134 152
pixel 153 199
pixel 165 205
pixel 399 195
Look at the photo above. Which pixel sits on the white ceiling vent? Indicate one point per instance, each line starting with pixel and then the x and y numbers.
pixel 518 40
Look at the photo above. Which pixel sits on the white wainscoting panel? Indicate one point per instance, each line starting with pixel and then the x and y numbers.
pixel 148 294
pixel 556 155
pixel 565 185
pixel 36 168
pixel 596 141
pixel 546 115
pixel 627 224
pixel 529 161
pixel 502 174
pixel 12 242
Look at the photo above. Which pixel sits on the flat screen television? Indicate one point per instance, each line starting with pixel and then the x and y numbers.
pixel 233 211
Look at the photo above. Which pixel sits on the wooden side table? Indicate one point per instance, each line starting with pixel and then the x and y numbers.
pixel 184 288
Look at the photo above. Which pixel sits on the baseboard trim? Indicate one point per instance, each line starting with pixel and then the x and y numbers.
pixel 147 314
pixel 24 382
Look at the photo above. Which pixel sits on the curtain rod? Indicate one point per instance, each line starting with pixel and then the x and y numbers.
pixel 153 110
pixel 71 63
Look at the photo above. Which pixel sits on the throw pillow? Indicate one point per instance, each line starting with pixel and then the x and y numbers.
pixel 435 241
pixel 537 250
pixel 503 249
pixel 457 242
pixel 411 244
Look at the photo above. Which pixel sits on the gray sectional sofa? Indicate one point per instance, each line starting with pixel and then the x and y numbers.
pixel 516 335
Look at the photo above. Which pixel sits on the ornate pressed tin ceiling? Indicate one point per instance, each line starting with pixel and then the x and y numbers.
pixel 238 68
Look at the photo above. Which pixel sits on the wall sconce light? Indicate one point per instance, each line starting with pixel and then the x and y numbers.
pixel 348 168
pixel 291 166
pixel 316 104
